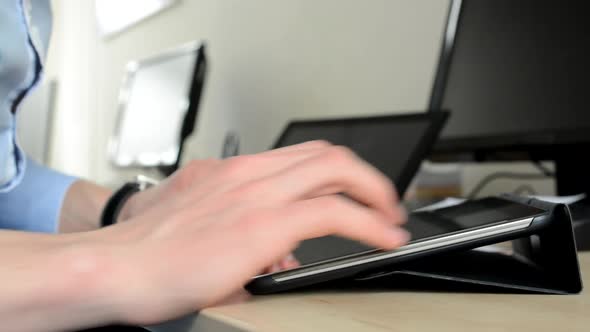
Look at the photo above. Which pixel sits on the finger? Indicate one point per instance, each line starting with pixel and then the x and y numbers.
pixel 334 215
pixel 243 168
pixel 398 217
pixel 310 145
pixel 267 270
pixel 339 171
pixel 289 262
pixel 240 170
pixel 274 268
pixel 248 167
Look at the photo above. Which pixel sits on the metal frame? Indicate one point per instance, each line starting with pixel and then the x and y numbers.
pixel 131 69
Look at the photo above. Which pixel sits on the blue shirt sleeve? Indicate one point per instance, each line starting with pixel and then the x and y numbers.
pixel 34 205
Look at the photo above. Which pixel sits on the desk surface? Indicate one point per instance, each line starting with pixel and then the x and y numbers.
pixel 401 311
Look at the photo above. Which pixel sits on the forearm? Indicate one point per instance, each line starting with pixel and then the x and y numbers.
pixel 54 282
pixel 82 207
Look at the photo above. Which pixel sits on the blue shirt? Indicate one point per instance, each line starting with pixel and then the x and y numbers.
pixel 30 195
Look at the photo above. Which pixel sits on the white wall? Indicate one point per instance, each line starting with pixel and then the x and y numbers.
pixel 74 62
pixel 271 61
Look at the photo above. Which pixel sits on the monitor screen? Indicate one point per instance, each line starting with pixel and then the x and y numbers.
pixel 154 101
pixel 396 145
pixel 514 73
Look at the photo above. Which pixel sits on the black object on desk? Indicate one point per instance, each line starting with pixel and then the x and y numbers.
pixel 544 258
pixel 581 222
pixel 543 263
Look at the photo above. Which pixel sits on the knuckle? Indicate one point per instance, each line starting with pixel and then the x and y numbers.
pixel 340 154
pixel 193 170
pixel 236 167
pixel 335 211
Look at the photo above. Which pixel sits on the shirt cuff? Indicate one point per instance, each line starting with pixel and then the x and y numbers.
pixel 34 205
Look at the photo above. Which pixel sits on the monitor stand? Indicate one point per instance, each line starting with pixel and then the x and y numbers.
pixel 573 177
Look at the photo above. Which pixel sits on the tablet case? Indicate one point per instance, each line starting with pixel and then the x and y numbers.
pixel 545 263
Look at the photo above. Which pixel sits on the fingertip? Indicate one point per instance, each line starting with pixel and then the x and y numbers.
pixel 397 238
pixel 403 236
pixel 290 266
pixel 290 262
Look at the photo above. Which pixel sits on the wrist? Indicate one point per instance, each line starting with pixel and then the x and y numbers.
pixel 82 282
pixel 82 206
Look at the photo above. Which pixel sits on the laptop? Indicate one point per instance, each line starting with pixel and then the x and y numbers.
pixel 396 145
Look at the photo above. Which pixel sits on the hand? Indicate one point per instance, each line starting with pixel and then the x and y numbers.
pixel 225 221
pixel 143 200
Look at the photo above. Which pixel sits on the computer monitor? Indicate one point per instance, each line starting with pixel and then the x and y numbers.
pixel 158 106
pixel 514 76
pixel 394 144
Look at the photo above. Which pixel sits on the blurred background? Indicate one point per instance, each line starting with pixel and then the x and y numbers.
pixel 270 61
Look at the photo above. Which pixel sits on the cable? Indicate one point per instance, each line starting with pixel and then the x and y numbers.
pixel 504 175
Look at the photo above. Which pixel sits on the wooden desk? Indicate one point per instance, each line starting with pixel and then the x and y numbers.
pixel 400 311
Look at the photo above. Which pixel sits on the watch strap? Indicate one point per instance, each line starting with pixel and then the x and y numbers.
pixel 114 205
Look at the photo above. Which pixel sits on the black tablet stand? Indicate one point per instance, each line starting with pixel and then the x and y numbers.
pixel 545 262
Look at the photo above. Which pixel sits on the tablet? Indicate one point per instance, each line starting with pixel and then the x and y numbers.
pixel 465 226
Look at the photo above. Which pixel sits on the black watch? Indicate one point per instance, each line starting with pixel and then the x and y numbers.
pixel 115 204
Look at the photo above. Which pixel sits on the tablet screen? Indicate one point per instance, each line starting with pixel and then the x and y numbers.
pixel 422 225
